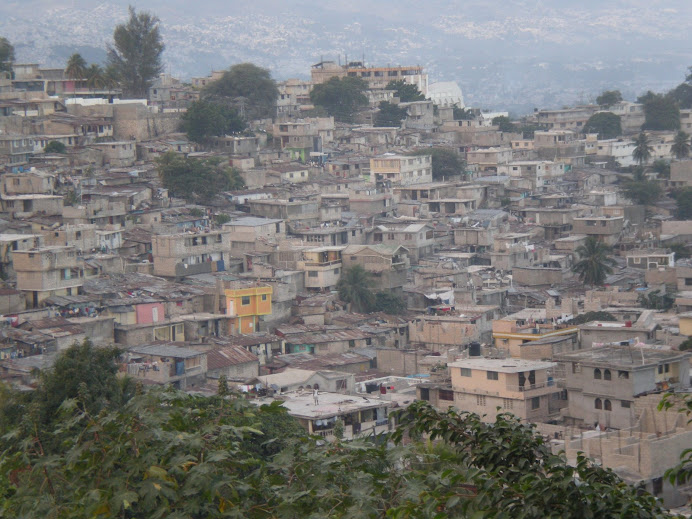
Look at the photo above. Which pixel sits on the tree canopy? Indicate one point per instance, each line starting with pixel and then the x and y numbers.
pixel 642 149
pixel 205 119
pixel 196 180
pixel 389 115
pixel 55 147
pixel 247 88
pixel 354 287
pixel 661 112
pixel 681 145
pixel 446 162
pixel 640 189
pixel 343 98
pixel 136 53
pixel 169 454
pixel 463 114
pixel 609 97
pixel 6 55
pixel 606 124
pixel 76 67
pixel 595 263
pixel 504 123
pixel 406 92
pixel 389 303
pixel 683 200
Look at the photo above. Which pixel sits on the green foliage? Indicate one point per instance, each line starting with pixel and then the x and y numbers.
pixel 246 87
pixel 406 92
pixel 682 95
pixel 592 316
pixel 76 67
pixel 343 98
pixel 642 149
pixel 605 124
pixel 681 145
pixel 504 124
pixel 640 189
pixel 71 198
pixel 463 114
pixel 136 54
pixel 661 112
pixel 389 115
pixel 594 263
pixel 681 250
pixel 354 287
pixel 6 55
pixel 222 219
pixel 683 199
pixel 339 429
pixel 55 147
pixel 95 77
pixel 681 474
pixel 528 130
pixel 609 97
pixel 196 180
pixel 389 303
pixel 205 119
pixel 654 300
pixel 662 168
pixel 446 162
pixel 169 454
pixel 686 344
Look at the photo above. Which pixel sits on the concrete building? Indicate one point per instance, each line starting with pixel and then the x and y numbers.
pixel 603 228
pixel 387 265
pixel 375 77
pixel 183 368
pixel 185 254
pixel 650 259
pixel 528 325
pixel 401 169
pixel 525 388
pixel 322 267
pixel 46 272
pixel 247 303
pixel 603 383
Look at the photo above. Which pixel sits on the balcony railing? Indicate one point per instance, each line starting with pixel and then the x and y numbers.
pixel 322 263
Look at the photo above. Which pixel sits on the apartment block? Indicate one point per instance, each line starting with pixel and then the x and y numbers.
pixel 185 254
pixel 46 272
pixel 401 169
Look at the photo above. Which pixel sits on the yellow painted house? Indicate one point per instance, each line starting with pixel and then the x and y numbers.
pixel 247 304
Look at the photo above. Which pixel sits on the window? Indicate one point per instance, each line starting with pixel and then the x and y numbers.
pixel 597 374
pixel 657 486
pixel 625 404
pixel 312 274
pixel 465 372
pixel 446 394
pixel 351 344
pixel 424 393
pixel 480 400
pixel 606 374
pixel 623 374
pixel 666 368
pixel 598 404
pixel 507 403
pixel 264 297
pixel 660 369
pixel 536 402
pixel 607 405
pixel 245 300
pixel 492 375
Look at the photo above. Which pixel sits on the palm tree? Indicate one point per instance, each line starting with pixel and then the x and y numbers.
pixel 681 145
pixel 354 287
pixel 594 263
pixel 76 67
pixel 94 77
pixel 642 150
pixel 110 78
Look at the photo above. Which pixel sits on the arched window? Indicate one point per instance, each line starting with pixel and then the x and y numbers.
pixel 606 374
pixel 607 405
pixel 598 404
pixel 597 373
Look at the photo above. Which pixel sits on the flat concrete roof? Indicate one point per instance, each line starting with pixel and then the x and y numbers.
pixel 502 365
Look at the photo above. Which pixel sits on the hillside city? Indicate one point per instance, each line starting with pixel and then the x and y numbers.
pixel 352 245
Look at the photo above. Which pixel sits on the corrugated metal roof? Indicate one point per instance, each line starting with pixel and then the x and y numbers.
pixel 229 356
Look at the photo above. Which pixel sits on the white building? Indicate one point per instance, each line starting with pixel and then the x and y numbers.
pixel 446 94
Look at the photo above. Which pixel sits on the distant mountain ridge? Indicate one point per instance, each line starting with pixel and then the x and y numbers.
pixel 504 54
